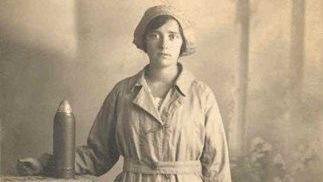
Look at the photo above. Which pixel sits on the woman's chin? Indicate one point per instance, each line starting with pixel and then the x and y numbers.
pixel 164 62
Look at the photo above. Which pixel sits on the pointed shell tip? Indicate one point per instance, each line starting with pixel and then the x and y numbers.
pixel 64 107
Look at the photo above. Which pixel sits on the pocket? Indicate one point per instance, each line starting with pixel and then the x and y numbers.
pixel 147 126
pixel 196 177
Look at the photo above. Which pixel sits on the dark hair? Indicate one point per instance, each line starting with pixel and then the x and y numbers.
pixel 158 22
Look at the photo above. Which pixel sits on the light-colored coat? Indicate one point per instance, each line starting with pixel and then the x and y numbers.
pixel 184 141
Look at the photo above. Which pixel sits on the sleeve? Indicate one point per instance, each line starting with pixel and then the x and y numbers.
pixel 215 158
pixel 100 153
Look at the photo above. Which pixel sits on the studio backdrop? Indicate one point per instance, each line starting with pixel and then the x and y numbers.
pixel 263 59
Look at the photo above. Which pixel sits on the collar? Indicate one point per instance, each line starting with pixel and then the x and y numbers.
pixel 182 83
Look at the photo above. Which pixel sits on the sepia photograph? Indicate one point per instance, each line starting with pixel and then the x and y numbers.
pixel 161 91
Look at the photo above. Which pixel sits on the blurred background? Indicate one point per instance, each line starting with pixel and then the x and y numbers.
pixel 263 59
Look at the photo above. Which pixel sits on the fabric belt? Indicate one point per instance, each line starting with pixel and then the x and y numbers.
pixel 161 167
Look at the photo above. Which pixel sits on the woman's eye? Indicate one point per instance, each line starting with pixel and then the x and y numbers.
pixel 153 36
pixel 172 36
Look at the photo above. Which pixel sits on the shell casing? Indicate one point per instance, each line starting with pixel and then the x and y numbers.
pixel 64 144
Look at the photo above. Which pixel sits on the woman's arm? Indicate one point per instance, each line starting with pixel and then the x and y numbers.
pixel 100 153
pixel 215 158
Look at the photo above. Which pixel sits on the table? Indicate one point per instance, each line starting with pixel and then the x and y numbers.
pixel 85 178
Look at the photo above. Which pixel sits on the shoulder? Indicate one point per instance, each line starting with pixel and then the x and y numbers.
pixel 125 85
pixel 189 84
pixel 201 87
pixel 204 93
pixel 119 90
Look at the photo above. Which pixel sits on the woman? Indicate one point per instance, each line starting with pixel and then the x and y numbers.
pixel 163 121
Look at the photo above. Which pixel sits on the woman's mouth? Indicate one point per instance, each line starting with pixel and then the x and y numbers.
pixel 164 54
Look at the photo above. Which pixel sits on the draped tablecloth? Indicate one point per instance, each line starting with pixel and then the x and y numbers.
pixel 85 178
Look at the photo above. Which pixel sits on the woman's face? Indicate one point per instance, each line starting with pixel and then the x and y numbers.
pixel 163 45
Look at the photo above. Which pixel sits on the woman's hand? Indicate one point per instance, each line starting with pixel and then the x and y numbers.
pixel 31 166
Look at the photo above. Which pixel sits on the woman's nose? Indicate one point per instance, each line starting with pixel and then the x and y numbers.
pixel 163 43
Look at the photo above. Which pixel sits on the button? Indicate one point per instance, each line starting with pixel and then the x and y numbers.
pixel 168 176
pixel 153 165
pixel 166 125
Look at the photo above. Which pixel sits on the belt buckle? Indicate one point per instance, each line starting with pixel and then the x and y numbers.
pixel 153 165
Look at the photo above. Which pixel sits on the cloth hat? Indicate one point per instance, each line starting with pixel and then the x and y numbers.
pixel 156 11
